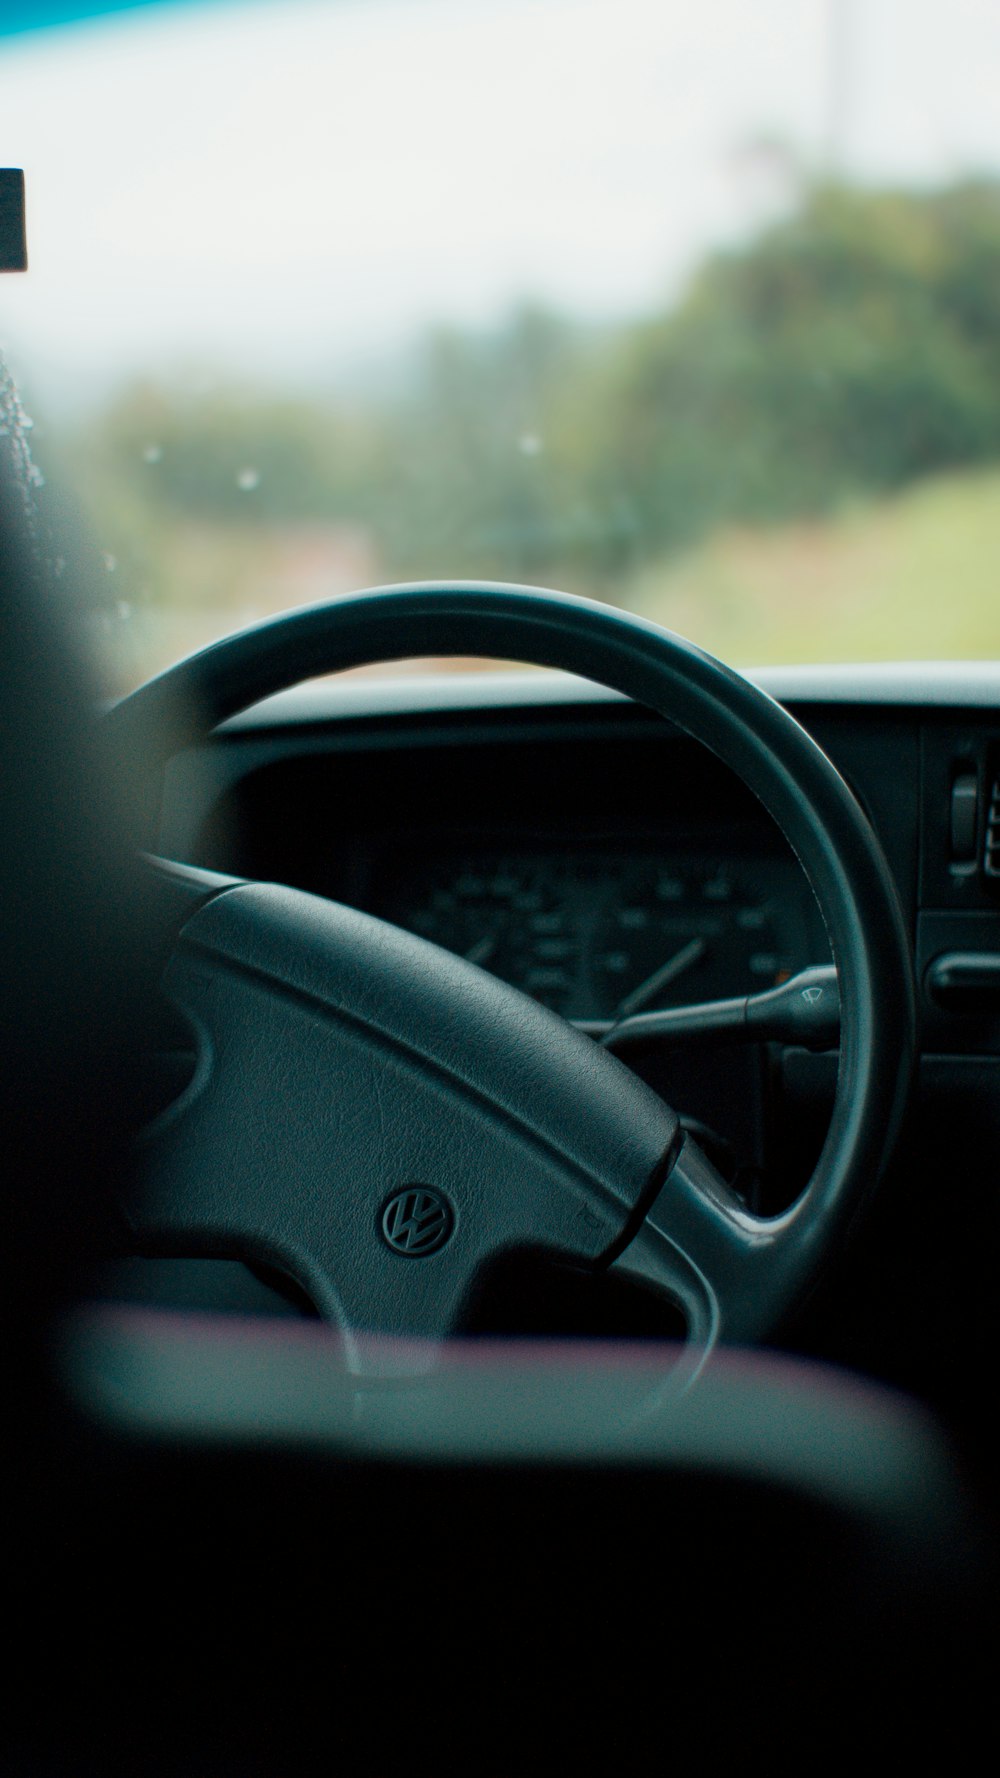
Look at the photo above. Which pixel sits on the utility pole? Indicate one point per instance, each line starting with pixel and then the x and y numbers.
pixel 840 82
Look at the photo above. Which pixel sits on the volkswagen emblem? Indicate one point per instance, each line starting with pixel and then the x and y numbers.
pixel 417 1221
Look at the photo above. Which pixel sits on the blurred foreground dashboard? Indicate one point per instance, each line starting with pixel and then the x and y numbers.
pixel 593 855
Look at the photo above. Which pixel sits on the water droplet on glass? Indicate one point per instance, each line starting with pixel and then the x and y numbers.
pixel 110 561
pixel 247 480
pixel 529 444
pixel 152 453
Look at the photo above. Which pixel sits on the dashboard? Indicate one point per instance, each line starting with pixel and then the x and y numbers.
pixel 594 858
pixel 594 855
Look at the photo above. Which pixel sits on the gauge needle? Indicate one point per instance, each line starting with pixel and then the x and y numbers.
pixel 483 950
pixel 661 978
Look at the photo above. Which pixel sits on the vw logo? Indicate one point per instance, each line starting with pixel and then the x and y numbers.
pixel 417 1221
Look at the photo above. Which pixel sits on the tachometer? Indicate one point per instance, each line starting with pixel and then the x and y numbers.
pixel 507 915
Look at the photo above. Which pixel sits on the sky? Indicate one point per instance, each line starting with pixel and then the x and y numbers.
pixel 295 191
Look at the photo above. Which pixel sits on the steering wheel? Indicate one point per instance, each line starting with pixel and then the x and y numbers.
pixel 382 1121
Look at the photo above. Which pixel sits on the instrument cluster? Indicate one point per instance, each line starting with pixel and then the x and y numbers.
pixel 600 932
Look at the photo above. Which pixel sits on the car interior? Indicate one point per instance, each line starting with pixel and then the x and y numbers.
pixel 501 1184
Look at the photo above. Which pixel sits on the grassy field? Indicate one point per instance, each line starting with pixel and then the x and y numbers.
pixel 913 577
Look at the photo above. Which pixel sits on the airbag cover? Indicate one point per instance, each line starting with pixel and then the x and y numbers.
pixel 345 1060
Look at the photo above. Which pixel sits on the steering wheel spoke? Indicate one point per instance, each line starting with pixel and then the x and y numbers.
pixel 379 1119
pixel 699 1244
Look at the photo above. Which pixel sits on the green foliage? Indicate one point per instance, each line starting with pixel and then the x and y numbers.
pixel 846 352
pixel 226 454
pixel 472 476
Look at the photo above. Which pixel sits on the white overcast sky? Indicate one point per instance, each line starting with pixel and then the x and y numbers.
pixel 301 187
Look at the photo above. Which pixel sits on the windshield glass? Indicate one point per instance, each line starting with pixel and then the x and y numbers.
pixel 692 308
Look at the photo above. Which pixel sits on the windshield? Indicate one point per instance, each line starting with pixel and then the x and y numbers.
pixel 691 308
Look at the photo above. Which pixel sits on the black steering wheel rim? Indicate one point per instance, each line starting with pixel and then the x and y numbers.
pixel 744 727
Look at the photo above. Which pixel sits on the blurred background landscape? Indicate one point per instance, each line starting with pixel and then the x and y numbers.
pixel 806 444
pixel 711 333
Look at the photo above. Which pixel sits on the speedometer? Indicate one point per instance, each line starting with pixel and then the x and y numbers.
pixel 514 916
pixel 595 934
